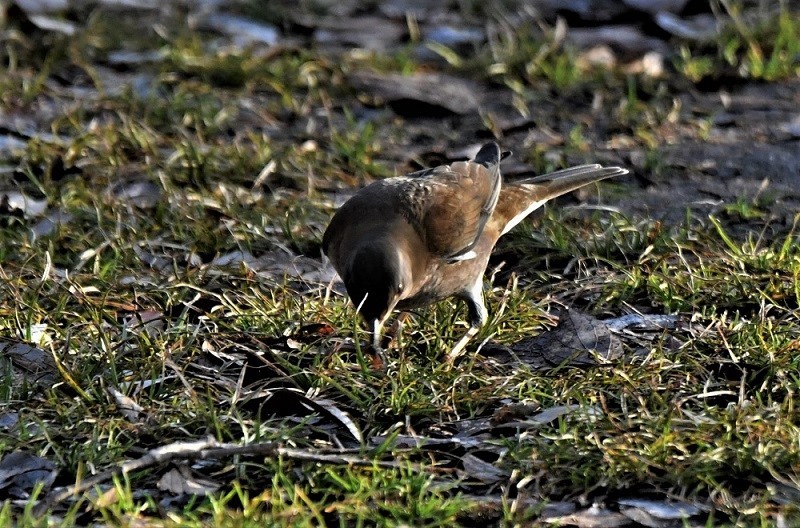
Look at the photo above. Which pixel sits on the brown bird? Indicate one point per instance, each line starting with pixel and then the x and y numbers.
pixel 410 241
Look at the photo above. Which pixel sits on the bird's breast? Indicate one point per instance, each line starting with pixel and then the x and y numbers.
pixel 442 280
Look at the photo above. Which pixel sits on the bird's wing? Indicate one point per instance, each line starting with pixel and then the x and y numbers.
pixel 521 197
pixel 462 199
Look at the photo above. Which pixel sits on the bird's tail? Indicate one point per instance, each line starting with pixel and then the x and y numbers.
pixel 555 184
pixel 520 197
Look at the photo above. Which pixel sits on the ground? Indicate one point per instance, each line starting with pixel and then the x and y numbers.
pixel 175 351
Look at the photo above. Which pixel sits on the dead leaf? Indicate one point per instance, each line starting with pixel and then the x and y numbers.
pixel 9 420
pixel 32 7
pixel 57 25
pixel 50 223
pixel 578 340
pixel 138 193
pixel 427 442
pixel 134 4
pixel 181 481
pixel 400 9
pixel 126 405
pixel 12 145
pixel 282 262
pixel 792 127
pixel 156 262
pixel 574 412
pixel 33 362
pixel 367 32
pixel 136 387
pixel 658 513
pixel 554 413
pixel 149 322
pixel 234 259
pixel 657 6
pixel 294 402
pixel 20 472
pixel 700 28
pixel 454 36
pixel 643 322
pixel 594 517
pixel 243 30
pixel 330 408
pixel 17 202
pixel 479 469
pixel 135 58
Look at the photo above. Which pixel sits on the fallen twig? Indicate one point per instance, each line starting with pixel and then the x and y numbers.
pixel 211 449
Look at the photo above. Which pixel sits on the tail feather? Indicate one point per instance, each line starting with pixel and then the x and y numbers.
pixel 561 182
pixel 519 198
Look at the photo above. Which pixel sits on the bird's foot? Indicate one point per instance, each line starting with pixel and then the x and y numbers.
pixel 377 358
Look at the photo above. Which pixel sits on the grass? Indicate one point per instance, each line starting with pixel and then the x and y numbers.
pixel 762 47
pixel 131 307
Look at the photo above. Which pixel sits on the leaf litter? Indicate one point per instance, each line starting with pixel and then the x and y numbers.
pixel 21 472
pixel 468 453
pixel 29 363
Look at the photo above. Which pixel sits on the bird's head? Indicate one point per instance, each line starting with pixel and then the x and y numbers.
pixel 375 279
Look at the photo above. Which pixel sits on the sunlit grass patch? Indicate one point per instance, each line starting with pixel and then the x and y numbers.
pixel 765 49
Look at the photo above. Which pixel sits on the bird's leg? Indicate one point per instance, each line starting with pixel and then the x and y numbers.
pixel 377 333
pixel 477 317
pixel 462 343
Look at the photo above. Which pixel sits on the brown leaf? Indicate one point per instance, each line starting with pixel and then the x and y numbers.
pixel 513 412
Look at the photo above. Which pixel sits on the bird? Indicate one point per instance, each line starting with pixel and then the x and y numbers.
pixel 406 242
